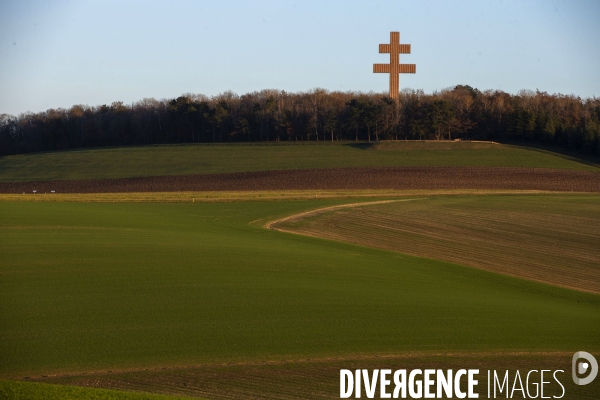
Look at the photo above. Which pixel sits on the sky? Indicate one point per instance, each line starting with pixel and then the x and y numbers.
pixel 60 53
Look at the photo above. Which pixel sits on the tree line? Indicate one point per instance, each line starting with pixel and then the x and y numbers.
pixel 318 115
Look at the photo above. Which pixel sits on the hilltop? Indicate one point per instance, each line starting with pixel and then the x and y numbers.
pixel 169 160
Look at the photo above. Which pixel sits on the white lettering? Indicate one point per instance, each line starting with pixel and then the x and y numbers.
pixel 537 390
pixel 384 383
pixel 522 390
pixel 411 384
pixel 473 383
pixel 542 385
pixel 504 382
pixel 419 384
pixel 346 391
pixel 557 381
pixel 370 386
pixel 400 383
pixel 428 383
pixel 443 383
pixel 459 373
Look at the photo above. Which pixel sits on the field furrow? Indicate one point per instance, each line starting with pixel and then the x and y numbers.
pixel 557 242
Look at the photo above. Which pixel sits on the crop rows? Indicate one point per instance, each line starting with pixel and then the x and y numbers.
pixel 398 178
pixel 315 379
pixel 552 243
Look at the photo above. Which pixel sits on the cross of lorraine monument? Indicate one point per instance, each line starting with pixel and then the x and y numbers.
pixel 394 68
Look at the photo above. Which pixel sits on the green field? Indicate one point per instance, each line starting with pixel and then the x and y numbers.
pixel 88 287
pixel 221 158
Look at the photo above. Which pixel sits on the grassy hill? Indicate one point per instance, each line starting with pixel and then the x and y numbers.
pixel 222 158
pixel 158 296
pixel 112 286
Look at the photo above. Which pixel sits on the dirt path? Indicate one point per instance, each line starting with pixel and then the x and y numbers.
pixel 310 213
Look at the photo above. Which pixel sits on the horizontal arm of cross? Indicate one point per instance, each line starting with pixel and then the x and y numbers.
pixel 381 68
pixel 402 68
pixel 402 48
pixel 408 68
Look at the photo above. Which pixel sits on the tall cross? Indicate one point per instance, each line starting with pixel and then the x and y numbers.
pixel 394 68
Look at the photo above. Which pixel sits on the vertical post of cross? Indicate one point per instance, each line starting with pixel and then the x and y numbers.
pixel 394 65
pixel 394 68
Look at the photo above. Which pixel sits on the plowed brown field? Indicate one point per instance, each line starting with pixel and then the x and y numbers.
pixel 503 178
pixel 553 238
pixel 319 379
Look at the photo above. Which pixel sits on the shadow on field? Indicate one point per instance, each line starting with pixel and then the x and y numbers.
pixel 562 152
pixel 361 145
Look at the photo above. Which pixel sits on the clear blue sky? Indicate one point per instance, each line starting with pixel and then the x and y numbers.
pixel 60 53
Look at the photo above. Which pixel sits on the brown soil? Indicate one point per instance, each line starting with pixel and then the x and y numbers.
pixel 555 246
pixel 320 379
pixel 333 178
